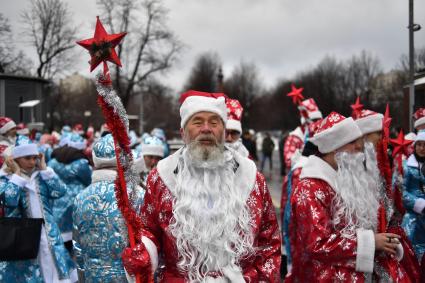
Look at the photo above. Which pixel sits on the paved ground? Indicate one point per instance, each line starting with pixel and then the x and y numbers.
pixel 274 180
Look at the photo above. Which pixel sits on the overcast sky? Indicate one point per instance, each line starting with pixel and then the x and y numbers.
pixel 282 37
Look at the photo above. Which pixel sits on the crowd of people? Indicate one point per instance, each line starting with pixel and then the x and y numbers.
pixel 350 211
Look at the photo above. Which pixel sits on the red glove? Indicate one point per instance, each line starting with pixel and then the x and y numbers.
pixel 137 260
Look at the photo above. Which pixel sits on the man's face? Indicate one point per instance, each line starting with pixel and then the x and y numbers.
pixel 206 128
pixel 373 138
pixel 11 133
pixel 420 148
pixel 151 161
pixel 232 136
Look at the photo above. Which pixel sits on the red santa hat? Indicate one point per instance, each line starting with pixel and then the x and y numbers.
pixel 369 121
pixel 419 117
pixel 335 132
pixel 196 101
pixel 6 124
pixel 78 128
pixel 310 106
pixel 21 129
pixel 234 115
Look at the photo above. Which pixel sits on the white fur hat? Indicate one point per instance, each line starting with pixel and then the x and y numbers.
pixel 334 132
pixel 196 101
pixel 369 121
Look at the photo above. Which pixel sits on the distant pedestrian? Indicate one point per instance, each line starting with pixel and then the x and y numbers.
pixel 267 148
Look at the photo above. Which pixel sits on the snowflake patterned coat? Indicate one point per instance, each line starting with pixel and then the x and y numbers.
pixel 31 197
pixel 414 202
pixel 320 252
pixel 99 230
pixel 294 143
pixel 77 176
pixel 157 212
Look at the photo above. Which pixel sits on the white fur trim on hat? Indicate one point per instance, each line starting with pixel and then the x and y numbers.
pixel 420 136
pixel 24 131
pixel 370 124
pixel 337 136
pixel 153 149
pixel 234 125
pixel 419 122
pixel 315 115
pixel 195 104
pixel 104 162
pixel 25 150
pixel 8 126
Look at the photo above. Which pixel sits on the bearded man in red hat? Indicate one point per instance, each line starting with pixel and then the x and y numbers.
pixel 390 212
pixel 207 209
pixel 334 211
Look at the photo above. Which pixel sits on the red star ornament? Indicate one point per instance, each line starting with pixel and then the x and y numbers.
pixel 296 94
pixel 357 108
pixel 101 46
pixel 400 144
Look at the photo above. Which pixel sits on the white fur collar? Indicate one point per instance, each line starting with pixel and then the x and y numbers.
pixel 412 162
pixel 301 162
pixel 103 175
pixel 245 175
pixel 298 132
pixel 317 168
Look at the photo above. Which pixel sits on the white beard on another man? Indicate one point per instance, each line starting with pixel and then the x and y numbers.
pixel 211 222
pixel 355 204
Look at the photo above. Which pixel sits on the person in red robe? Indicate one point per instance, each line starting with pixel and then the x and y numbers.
pixel 207 212
pixel 334 211
pixel 390 213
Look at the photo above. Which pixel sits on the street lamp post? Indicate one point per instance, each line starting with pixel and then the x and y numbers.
pixel 412 28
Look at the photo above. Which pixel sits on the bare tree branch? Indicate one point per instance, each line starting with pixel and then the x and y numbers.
pixel 48 26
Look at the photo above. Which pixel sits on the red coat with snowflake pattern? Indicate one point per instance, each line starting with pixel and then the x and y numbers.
pixel 264 266
pixel 293 143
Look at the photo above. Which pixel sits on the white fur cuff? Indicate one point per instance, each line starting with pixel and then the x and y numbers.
pixel 419 205
pixel 47 174
pixel 365 250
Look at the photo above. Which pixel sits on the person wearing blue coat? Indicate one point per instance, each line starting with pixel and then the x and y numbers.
pixel 99 230
pixel 414 196
pixel 71 165
pixel 28 188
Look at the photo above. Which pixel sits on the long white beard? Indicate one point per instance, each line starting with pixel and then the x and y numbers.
pixel 355 204
pixel 211 222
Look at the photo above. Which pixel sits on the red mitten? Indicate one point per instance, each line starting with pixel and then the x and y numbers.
pixel 137 260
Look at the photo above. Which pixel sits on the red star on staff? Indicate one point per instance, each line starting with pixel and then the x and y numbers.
pixel 296 94
pixel 400 144
pixel 101 46
pixel 357 108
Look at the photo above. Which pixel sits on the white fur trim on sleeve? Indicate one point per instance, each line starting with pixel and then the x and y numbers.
pixel 152 250
pixel 399 252
pixel 419 205
pixel 365 250
pixel 18 180
pixel 47 174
